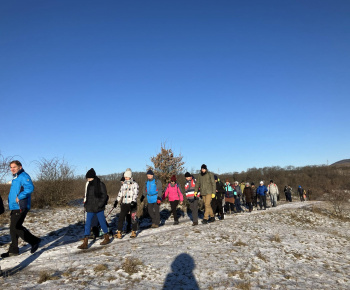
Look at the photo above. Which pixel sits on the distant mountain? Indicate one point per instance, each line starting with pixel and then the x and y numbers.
pixel 344 162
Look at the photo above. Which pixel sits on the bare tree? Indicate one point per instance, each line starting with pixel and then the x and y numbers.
pixel 166 164
pixel 4 167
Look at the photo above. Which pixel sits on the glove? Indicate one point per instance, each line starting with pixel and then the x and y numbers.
pixel 213 195
pixel 142 198
pixel 133 204
pixel 159 200
pixel 115 204
pixel 195 194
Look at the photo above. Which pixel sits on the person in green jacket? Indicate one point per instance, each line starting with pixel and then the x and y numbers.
pixel 207 186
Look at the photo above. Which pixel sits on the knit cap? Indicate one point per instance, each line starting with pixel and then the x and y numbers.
pixel 128 173
pixel 90 174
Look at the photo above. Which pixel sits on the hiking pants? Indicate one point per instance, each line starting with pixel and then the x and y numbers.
pixel 229 206
pixel 208 209
pixel 125 209
pixel 101 219
pixel 173 205
pixel 250 206
pixel 262 201
pixel 18 230
pixel 216 204
pixel 194 210
pixel 153 210
pixel 238 204
pixel 273 198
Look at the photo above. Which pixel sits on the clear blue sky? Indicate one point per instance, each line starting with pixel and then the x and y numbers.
pixel 233 84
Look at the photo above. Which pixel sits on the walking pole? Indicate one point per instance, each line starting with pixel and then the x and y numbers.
pixel 109 212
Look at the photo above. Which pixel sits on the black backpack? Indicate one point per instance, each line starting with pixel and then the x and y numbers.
pixel 2 209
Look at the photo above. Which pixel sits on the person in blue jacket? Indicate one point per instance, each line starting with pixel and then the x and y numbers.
pixel 19 201
pixel 261 192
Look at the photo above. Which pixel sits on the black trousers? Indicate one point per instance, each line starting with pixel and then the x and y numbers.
pixel 125 209
pixel 153 210
pixel 216 205
pixel 174 205
pixel 229 206
pixel 262 201
pixel 18 230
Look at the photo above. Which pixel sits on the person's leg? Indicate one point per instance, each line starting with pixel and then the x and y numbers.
pixel 128 222
pixel 156 214
pixel 174 205
pixel 122 214
pixel 16 218
pixel 150 208
pixel 220 208
pixel 194 209
pixel 134 221
pixel 102 221
pixel 264 201
pixel 89 216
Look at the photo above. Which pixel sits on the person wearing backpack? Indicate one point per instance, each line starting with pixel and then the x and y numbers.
pixel 173 193
pixel 95 203
pixel 238 195
pixel 273 191
pixel 190 186
pixel 288 193
pixel 153 191
pixel 261 193
pixel 216 202
pixel 207 185
pixel 301 193
pixel 127 198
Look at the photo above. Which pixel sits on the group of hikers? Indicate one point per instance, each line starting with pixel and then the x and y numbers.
pixel 221 198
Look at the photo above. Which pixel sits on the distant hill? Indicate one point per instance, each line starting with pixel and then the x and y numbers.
pixel 344 162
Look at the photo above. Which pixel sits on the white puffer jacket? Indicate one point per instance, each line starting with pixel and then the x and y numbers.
pixel 128 192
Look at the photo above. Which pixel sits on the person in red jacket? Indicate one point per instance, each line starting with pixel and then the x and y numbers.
pixel 173 192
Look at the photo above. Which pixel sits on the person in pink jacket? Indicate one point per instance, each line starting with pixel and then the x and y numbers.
pixel 173 192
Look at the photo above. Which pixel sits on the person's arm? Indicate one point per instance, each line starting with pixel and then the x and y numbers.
pixel 27 188
pixel 180 194
pixel 160 189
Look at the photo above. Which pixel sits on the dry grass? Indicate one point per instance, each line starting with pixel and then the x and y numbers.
pixel 275 238
pixel 46 276
pixel 130 265
pixel 239 243
pixel 245 285
pixel 101 268
pixel 261 256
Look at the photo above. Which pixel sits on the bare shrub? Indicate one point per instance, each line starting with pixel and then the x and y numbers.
pixel 275 238
pixel 339 199
pixel 54 183
pixel 101 268
pixel 4 167
pixel 46 276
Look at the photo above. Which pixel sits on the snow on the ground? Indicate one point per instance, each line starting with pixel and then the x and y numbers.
pixel 291 246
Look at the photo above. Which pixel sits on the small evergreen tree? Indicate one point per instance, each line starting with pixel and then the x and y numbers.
pixel 166 164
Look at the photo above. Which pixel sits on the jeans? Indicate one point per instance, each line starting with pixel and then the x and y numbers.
pixel 101 219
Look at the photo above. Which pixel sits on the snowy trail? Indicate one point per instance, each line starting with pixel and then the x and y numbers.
pixel 287 247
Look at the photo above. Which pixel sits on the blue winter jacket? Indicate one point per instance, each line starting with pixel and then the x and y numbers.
pixel 22 187
pixel 261 190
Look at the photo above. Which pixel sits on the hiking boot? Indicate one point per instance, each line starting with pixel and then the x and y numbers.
pixel 105 240
pixel 204 221
pixel 154 226
pixel 133 234
pixel 118 235
pixel 84 245
pixel 212 219
pixel 176 223
pixel 195 224
pixel 35 247
pixel 8 254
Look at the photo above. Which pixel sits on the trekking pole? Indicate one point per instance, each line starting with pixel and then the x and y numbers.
pixel 109 212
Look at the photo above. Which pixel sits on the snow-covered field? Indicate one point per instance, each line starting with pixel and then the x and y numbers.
pixel 293 246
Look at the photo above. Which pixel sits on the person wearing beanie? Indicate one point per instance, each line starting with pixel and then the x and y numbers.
pixel 238 195
pixel 301 193
pixel 207 185
pixel 174 194
pixel 190 186
pixel 152 190
pixel 261 193
pixel 94 203
pixel 127 198
pixel 216 202
pixel 248 193
pixel 273 191
pixel 255 198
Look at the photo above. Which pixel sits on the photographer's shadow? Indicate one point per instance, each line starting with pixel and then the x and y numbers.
pixel 182 276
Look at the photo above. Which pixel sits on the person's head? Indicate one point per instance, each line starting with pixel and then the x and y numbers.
pixel 227 181
pixel 90 175
pixel 236 183
pixel 15 166
pixel 216 178
pixel 204 168
pixel 261 182
pixel 247 184
pixel 128 174
pixel 188 176
pixel 253 185
pixel 150 174
pixel 173 179
pixel 271 181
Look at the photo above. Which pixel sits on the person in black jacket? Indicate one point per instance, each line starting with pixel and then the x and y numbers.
pixel 95 202
pixel 216 202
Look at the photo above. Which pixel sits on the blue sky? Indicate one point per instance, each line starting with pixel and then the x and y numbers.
pixel 233 84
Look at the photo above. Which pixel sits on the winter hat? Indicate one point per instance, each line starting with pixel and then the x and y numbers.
pixel 261 182
pixel 215 177
pixel 150 172
pixel 128 173
pixel 271 181
pixel 187 174
pixel 90 174
pixel 173 178
pixel 253 183
pixel 204 167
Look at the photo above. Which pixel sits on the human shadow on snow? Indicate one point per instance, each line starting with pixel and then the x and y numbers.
pixel 64 236
pixel 182 276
